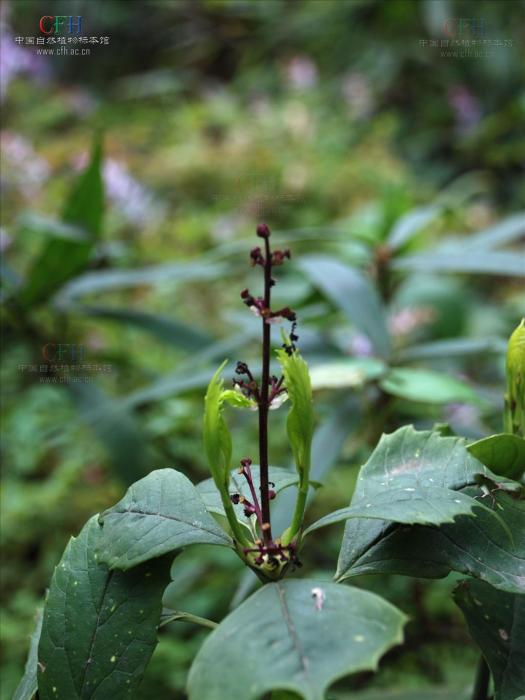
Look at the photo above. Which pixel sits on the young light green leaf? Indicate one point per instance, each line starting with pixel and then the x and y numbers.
pixel 217 438
pixel 515 398
pixel 298 636
pixel 300 421
pixel 300 429
pixel 497 624
pixel 160 513
pixel 100 626
pixel 504 454
pixel 238 400
pixel 28 685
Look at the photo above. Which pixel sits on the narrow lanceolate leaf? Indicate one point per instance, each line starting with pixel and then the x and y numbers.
pixel 479 547
pixel 497 624
pixel 427 386
pixel 159 514
pixel 476 262
pixel 100 627
pixel 504 454
pixel 281 478
pixel 406 459
pixel 424 506
pixel 298 636
pixel 63 257
pixel 349 290
pixel 28 685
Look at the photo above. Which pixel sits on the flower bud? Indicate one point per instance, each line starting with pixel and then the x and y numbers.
pixel 263 231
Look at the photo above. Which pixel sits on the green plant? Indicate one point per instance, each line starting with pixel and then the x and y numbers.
pixel 425 503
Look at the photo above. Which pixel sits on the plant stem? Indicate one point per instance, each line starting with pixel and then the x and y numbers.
pixel 481 684
pixel 264 403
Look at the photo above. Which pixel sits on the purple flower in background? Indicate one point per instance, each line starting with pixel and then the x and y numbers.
pixel 466 108
pixel 23 169
pixel 15 59
pixel 360 346
pixel 134 201
pixel 357 94
pixel 301 72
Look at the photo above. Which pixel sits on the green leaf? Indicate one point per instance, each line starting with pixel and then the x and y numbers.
pixel 426 385
pixel 476 262
pixel 504 454
pixel 116 427
pixel 478 547
pixel 411 505
pixel 168 330
pixel 349 290
pixel 100 627
pixel 327 444
pixel 300 420
pixel 343 374
pixel 410 224
pixel 217 438
pixel 282 478
pixel 159 514
pixel 296 635
pixel 62 257
pixel 28 685
pixel 507 231
pixel 109 280
pixel 405 459
pixel 455 347
pixel 514 416
pixel 497 624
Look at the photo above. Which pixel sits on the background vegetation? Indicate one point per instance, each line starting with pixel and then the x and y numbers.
pixel 393 171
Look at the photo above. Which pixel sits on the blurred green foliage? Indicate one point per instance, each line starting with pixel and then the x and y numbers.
pixel 361 146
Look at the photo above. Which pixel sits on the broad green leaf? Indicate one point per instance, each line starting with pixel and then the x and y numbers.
pixel 349 290
pixel 476 262
pixel 28 685
pixel 504 454
pixel 63 257
pixel 298 636
pixel 160 513
pixel 342 374
pixel 497 624
pixel 455 347
pixel 405 459
pixel 281 478
pixel 168 330
pixel 478 547
pixel 100 626
pixel 411 505
pixel 426 385
pixel 420 694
